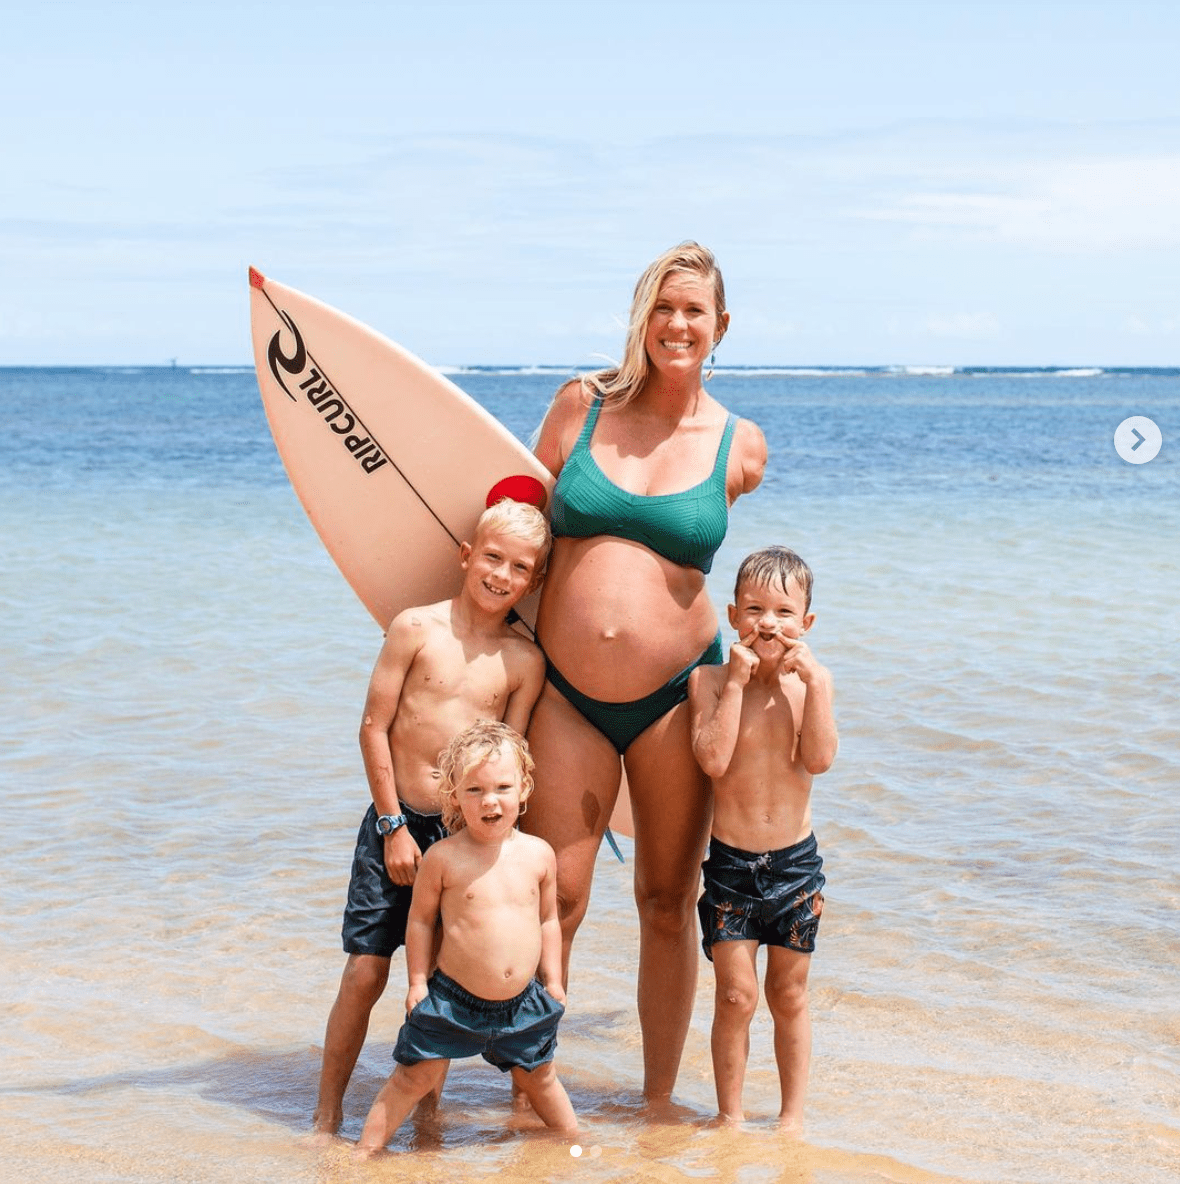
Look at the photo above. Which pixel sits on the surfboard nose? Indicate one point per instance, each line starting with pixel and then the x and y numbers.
pixel 257 279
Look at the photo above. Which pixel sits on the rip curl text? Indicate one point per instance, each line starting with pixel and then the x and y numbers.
pixel 328 403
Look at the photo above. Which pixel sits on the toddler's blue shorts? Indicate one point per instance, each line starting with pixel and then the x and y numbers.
pixel 517 1033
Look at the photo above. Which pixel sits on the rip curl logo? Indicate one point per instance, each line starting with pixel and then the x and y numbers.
pixel 320 395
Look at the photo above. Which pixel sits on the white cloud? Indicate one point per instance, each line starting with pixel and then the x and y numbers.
pixel 1084 204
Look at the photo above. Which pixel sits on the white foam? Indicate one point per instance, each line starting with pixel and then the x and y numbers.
pixel 790 372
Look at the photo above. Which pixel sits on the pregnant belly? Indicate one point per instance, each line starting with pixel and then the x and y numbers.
pixel 618 620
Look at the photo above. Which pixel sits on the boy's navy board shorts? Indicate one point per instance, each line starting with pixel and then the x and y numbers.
pixel 774 898
pixel 517 1033
pixel 377 908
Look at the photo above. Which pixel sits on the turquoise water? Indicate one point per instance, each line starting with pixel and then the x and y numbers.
pixel 994 993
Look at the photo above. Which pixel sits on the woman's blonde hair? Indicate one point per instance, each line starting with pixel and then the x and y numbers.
pixel 620 384
pixel 472 747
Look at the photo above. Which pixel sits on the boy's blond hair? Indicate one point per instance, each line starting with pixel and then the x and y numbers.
pixel 773 565
pixel 522 521
pixel 472 747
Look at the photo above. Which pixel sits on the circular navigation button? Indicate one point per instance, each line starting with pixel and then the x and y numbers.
pixel 1137 440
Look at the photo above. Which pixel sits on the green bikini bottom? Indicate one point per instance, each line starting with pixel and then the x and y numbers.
pixel 620 723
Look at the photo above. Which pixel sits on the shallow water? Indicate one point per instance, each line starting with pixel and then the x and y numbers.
pixel 994 995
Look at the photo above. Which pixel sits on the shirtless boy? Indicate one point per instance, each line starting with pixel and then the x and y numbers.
pixel 762 726
pixel 442 667
pixel 495 891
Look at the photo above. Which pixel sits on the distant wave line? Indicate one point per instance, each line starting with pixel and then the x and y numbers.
pixel 902 371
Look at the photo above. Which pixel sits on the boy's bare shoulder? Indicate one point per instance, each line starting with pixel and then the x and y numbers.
pixel 439 850
pixel 519 648
pixel 419 617
pixel 523 659
pixel 535 847
pixel 439 856
pixel 706 679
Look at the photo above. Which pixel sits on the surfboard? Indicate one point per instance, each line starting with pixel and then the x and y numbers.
pixel 391 461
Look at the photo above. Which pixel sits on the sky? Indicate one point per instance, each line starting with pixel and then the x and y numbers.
pixel 962 183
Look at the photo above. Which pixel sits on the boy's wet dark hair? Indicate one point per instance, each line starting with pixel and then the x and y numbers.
pixel 773 565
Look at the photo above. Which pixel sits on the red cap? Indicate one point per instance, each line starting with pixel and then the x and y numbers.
pixel 519 488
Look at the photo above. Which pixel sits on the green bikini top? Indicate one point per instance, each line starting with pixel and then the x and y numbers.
pixel 686 527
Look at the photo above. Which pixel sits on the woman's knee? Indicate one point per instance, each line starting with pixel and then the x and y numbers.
pixel 666 909
pixel 572 903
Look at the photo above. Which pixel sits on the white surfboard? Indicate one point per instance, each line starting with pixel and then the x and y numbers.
pixel 391 461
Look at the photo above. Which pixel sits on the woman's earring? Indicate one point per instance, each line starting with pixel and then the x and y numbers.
pixel 712 359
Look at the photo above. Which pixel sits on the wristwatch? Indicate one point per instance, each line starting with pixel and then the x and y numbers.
pixel 388 823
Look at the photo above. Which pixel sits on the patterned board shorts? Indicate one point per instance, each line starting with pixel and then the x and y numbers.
pixel 774 898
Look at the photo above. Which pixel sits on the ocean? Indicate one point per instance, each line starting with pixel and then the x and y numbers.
pixel 996 988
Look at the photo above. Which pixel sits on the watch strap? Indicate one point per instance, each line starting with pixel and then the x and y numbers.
pixel 388 823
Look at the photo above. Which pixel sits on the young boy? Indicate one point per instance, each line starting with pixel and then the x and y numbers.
pixel 495 891
pixel 762 726
pixel 441 667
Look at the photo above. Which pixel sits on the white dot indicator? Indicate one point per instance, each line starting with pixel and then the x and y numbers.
pixel 575 1151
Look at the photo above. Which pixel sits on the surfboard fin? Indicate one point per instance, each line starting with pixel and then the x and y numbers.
pixel 614 846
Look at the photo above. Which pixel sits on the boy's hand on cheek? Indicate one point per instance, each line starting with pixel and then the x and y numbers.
pixel 742 659
pixel 798 658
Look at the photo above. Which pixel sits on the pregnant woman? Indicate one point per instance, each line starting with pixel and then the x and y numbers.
pixel 647 465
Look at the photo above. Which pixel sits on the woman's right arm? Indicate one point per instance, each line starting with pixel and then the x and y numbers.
pixel 559 430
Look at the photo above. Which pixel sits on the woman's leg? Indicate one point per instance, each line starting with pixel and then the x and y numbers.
pixel 672 807
pixel 577 781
